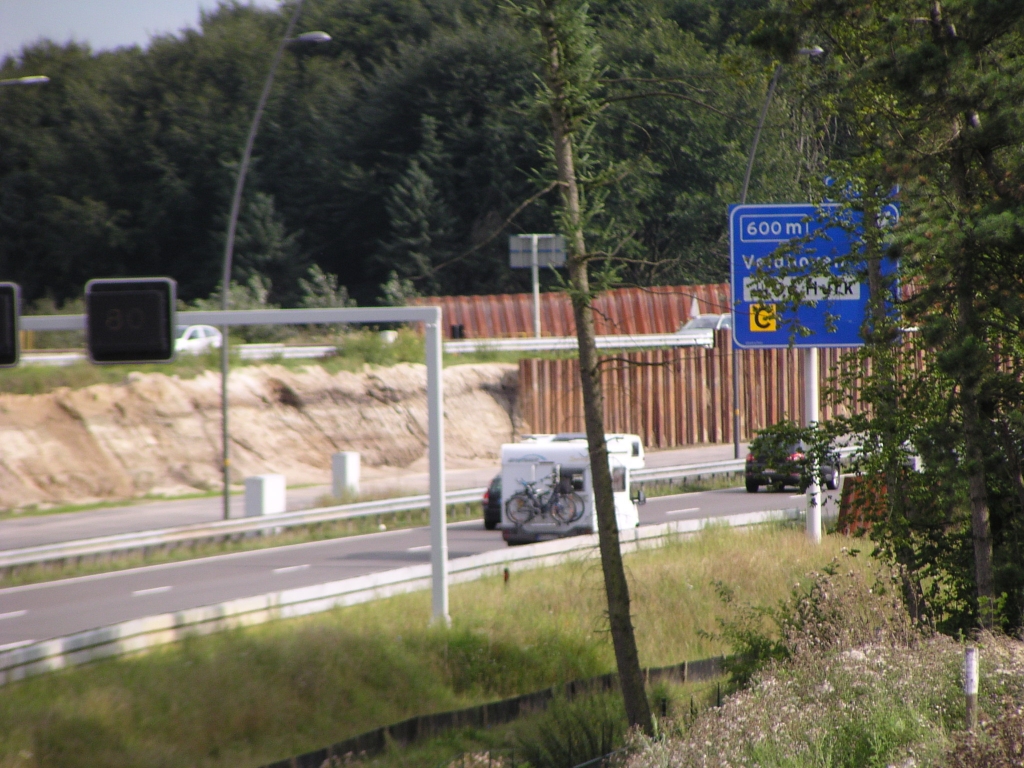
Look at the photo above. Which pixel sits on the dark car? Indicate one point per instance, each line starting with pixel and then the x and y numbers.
pixel 492 504
pixel 785 465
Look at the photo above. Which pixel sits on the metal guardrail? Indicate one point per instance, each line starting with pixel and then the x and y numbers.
pixel 700 337
pixel 152 631
pixel 222 529
pixel 123 542
pixel 244 351
pixel 687 470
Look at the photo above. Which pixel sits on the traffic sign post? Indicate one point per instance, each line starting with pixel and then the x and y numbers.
pixel 799 244
pixel 536 251
pixel 10 304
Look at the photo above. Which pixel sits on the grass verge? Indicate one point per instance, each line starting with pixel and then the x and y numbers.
pixel 249 697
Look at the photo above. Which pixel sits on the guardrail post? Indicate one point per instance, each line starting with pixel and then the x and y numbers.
pixel 435 436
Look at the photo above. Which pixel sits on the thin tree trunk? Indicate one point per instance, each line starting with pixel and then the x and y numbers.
pixel 627 658
pixel 881 337
pixel 970 408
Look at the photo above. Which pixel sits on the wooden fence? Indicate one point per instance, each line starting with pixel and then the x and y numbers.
pixel 677 397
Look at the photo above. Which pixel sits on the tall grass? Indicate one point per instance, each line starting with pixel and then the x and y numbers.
pixel 252 696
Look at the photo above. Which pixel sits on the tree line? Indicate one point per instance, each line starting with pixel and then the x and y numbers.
pixel 398 157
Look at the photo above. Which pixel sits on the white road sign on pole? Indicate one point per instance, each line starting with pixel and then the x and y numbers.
pixel 535 251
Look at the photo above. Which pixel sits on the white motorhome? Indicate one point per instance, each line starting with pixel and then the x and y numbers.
pixel 548 491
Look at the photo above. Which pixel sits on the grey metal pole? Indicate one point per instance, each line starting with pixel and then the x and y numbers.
pixel 435 437
pixel 743 200
pixel 535 276
pixel 229 250
pixel 30 80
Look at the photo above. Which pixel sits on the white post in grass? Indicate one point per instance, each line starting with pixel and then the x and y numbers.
pixel 971 686
pixel 811 410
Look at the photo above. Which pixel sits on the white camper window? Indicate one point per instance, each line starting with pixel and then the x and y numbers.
pixel 618 479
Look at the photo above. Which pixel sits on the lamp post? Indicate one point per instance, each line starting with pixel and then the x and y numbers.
pixel 229 244
pixel 815 51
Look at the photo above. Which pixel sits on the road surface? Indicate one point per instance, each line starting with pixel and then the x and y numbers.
pixel 36 530
pixel 42 611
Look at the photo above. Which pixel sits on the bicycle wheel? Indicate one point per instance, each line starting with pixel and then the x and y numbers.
pixel 520 508
pixel 567 508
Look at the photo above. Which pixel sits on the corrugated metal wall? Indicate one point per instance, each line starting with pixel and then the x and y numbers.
pixel 660 309
pixel 678 397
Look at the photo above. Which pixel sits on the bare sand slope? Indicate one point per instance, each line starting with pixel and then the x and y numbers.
pixel 157 434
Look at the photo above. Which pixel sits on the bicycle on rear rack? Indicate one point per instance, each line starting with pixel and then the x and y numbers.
pixel 560 502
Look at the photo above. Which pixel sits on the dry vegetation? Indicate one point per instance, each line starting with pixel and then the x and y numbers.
pixel 854 684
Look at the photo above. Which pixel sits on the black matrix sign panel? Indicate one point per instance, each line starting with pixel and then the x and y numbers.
pixel 9 295
pixel 130 321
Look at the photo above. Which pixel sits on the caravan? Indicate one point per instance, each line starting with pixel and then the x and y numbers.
pixel 548 491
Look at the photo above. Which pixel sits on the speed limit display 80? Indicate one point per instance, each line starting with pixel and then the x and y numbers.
pixel 130 321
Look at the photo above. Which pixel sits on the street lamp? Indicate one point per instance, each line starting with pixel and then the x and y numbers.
pixel 229 244
pixel 815 51
pixel 30 80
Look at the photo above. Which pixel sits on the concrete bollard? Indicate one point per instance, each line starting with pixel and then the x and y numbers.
pixel 971 686
pixel 264 495
pixel 345 474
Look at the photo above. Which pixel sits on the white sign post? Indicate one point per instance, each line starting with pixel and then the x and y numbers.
pixel 527 251
pixel 431 319
pixel 811 411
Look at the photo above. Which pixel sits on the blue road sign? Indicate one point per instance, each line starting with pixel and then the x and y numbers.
pixel 756 232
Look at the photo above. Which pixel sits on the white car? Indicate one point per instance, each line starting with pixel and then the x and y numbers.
pixel 197 339
pixel 715 322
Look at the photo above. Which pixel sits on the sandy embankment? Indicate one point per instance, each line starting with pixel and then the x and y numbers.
pixel 157 434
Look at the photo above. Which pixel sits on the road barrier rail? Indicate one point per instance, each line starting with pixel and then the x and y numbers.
pixel 698 337
pixel 124 543
pixel 139 635
pixel 221 529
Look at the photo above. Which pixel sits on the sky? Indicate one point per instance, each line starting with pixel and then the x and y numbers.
pixel 104 24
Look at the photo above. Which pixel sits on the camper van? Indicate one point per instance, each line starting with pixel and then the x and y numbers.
pixel 547 491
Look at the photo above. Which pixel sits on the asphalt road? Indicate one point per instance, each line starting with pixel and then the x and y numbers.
pixel 36 530
pixel 41 611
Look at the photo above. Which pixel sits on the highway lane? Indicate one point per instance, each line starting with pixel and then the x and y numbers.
pixel 41 611
pixel 36 530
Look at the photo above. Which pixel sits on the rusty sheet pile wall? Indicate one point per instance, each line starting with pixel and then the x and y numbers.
pixel 676 397
pixel 660 309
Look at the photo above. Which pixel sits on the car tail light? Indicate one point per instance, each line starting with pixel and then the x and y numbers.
pixel 487 495
pixel 796 456
pixel 750 457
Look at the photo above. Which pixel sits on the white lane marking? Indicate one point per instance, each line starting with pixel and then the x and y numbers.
pixel 12 614
pixel 418 549
pixel 798 496
pixel 681 511
pixel 289 568
pixel 150 591
pixel 16 644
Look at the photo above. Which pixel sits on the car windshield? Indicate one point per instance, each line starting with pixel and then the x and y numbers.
pixel 181 330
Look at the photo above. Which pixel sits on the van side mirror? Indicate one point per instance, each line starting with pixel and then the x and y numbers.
pixel 640 499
